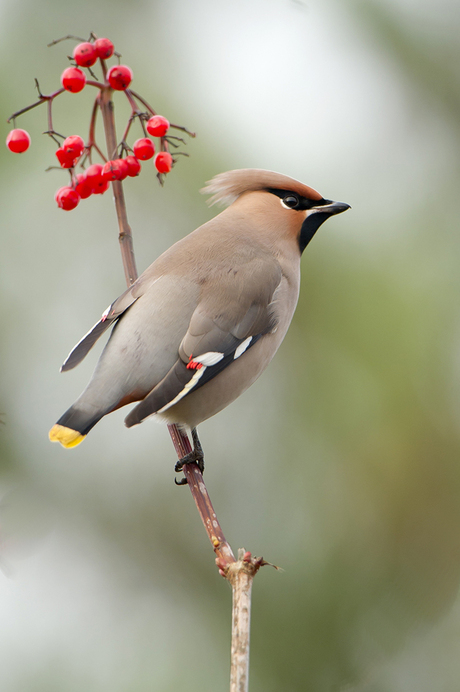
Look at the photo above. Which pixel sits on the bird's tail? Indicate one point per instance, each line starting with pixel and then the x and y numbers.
pixel 66 436
pixel 73 426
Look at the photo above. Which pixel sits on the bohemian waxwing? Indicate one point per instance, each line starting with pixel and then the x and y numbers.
pixel 199 326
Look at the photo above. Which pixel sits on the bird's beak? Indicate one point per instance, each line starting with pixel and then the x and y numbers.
pixel 333 207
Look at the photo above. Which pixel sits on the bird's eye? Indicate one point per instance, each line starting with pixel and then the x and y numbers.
pixel 290 201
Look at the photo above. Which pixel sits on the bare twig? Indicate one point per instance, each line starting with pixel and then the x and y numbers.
pixel 240 575
pixel 65 38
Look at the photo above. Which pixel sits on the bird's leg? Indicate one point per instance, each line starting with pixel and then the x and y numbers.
pixel 196 455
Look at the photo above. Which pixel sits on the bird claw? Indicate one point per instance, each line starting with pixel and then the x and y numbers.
pixel 195 456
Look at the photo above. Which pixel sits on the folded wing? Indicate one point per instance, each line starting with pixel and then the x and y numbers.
pixel 234 313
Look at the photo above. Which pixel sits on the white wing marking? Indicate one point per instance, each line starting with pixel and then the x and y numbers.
pixel 198 374
pixel 242 347
pixel 209 358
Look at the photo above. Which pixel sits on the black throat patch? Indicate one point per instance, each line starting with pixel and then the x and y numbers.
pixel 310 226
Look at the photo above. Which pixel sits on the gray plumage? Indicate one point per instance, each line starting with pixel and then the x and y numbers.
pixel 204 320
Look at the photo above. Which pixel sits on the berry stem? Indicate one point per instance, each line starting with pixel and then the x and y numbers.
pixel 183 129
pixel 92 122
pixel 43 98
pixel 65 38
pixel 104 69
pixel 92 130
pixel 126 132
pixel 51 131
pixel 143 101
pixel 132 103
pixel 94 84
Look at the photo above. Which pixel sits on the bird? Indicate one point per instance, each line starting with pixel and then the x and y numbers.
pixel 200 325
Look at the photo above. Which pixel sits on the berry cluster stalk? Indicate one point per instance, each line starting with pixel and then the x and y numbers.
pixel 125 236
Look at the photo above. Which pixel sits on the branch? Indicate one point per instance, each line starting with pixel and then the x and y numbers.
pixel 240 575
pixel 203 502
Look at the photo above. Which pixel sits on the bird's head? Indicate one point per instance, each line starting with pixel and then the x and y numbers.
pixel 285 201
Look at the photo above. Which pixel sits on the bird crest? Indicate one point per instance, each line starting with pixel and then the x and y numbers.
pixel 225 188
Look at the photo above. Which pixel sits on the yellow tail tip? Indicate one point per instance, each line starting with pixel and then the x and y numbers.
pixel 66 436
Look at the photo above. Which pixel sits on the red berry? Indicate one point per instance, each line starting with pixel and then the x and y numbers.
pixel 73 145
pixel 85 54
pixel 104 48
pixel 83 186
pixel 73 79
pixel 163 162
pixel 110 172
pixel 124 168
pixel 134 167
pixel 101 187
pixel 66 159
pixel 115 170
pixel 143 148
pixel 67 198
pixel 157 126
pixel 119 77
pixel 18 141
pixel 93 174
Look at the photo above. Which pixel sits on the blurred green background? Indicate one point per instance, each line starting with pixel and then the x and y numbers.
pixel 342 463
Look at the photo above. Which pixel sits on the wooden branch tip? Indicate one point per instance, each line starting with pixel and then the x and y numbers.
pixel 246 564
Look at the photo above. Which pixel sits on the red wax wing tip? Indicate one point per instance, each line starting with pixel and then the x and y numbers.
pixel 193 365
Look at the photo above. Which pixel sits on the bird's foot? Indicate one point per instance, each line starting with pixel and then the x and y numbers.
pixel 195 456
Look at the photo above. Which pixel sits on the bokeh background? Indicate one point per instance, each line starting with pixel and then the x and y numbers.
pixel 342 463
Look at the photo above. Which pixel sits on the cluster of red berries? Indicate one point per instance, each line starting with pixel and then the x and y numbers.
pixel 119 77
pixel 95 181
pixel 97 177
pixel 85 55
pixel 144 148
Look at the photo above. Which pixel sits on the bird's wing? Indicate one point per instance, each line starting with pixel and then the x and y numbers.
pixel 238 308
pixel 109 317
